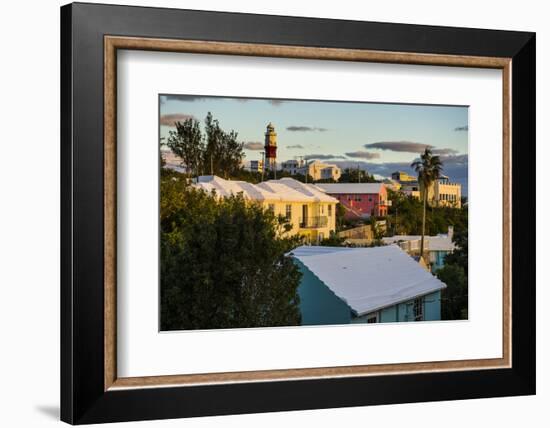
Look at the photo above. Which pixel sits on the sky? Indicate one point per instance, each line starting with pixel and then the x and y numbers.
pixel 378 137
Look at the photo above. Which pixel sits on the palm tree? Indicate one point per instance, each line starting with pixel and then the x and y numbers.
pixel 428 168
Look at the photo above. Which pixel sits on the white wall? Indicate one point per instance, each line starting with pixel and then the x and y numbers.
pixel 29 213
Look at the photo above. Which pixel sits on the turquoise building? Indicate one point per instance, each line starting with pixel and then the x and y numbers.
pixel 365 285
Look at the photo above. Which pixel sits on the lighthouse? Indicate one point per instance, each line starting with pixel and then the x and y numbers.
pixel 270 148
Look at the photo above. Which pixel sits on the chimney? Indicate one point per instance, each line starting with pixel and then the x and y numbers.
pixel 450 232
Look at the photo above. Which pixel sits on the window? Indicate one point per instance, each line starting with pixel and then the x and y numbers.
pixel 288 212
pixel 271 207
pixel 370 198
pixel 418 309
pixel 330 210
pixel 371 319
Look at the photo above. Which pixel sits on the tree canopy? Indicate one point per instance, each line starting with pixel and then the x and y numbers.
pixel 223 264
pixel 454 299
pixel 213 151
pixel 356 175
pixel 405 216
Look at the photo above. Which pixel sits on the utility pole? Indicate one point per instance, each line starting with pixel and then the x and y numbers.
pixel 263 164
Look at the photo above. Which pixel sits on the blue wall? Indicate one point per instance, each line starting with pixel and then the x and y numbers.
pixel 439 260
pixel 318 304
pixel 432 306
pixel 403 312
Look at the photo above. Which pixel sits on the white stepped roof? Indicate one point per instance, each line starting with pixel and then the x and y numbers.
pixel 354 188
pixel 283 190
pixel 368 279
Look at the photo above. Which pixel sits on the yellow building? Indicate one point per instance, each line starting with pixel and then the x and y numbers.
pixel 321 171
pixel 310 212
pixel 256 165
pixel 411 189
pixel 443 193
pixel 402 176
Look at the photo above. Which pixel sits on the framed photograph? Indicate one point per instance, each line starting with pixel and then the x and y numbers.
pixel 267 213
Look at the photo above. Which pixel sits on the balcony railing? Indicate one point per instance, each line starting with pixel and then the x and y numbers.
pixel 313 222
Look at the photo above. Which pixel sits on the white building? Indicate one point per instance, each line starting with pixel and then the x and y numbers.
pixel 293 166
pixel 309 211
pixel 437 246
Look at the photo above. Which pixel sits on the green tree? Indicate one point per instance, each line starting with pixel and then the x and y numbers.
pixel 332 241
pixel 223 264
pixel 428 168
pixel 215 151
pixel 455 275
pixel 377 232
pixel 223 154
pixel 356 175
pixel 341 222
pixel 459 256
pixel 187 143
pixel 454 298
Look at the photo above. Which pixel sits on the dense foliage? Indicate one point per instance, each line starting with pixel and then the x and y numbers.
pixel 356 175
pixel 454 299
pixel 213 151
pixel 223 265
pixel 405 216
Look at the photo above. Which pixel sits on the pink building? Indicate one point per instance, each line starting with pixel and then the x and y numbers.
pixel 359 199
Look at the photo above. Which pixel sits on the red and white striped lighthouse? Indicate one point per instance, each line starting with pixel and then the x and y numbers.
pixel 270 148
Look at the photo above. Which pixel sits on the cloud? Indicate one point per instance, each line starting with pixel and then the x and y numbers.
pixel 461 128
pixel 444 152
pixel 171 119
pixel 455 167
pixel 188 98
pixel 295 146
pixel 363 155
pixel 295 128
pixel 398 146
pixel 454 160
pixel 323 157
pixel 253 145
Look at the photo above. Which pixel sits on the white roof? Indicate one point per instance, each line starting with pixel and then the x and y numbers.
pixel 441 242
pixel 368 279
pixel 357 188
pixel 284 190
